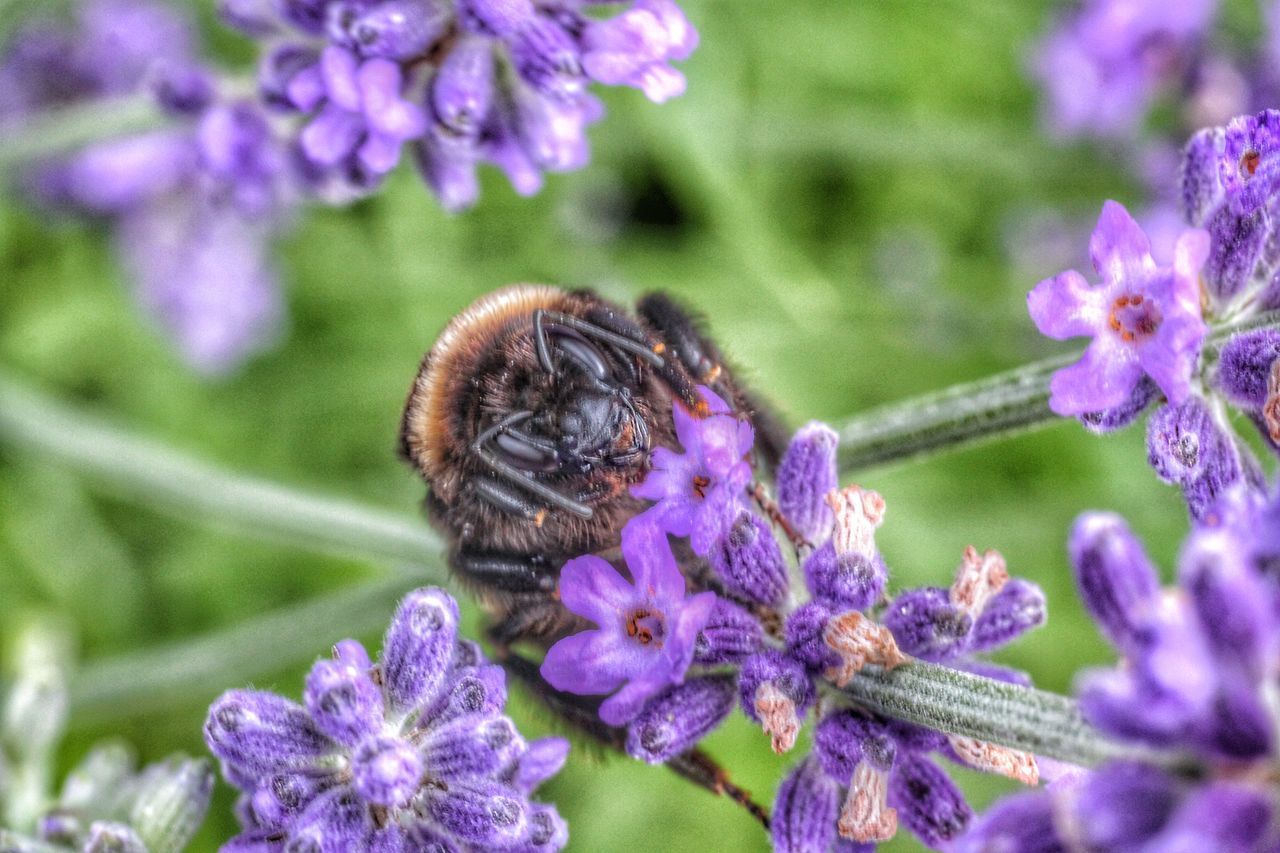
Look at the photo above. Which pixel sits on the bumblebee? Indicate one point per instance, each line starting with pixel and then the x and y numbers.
pixel 530 419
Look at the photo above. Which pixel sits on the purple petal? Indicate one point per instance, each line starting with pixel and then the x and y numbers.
pixel 338 68
pixel 591 662
pixel 344 702
pixel 928 802
pixel 648 555
pixel 1066 306
pixel 593 589
pixel 1118 248
pixel 1103 378
pixel 331 136
pixel 263 733
pixel 805 475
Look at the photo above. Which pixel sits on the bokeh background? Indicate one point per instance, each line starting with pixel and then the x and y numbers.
pixel 856 195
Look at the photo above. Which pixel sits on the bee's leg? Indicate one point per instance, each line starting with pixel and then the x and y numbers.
pixel 683 334
pixel 583 714
pixel 511 573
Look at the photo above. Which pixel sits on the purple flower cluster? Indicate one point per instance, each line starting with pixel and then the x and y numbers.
pixel 1196 679
pixel 410 753
pixel 682 648
pixel 1102 66
pixel 463 82
pixel 194 206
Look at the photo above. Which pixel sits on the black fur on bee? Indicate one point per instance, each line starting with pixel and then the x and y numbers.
pixel 530 419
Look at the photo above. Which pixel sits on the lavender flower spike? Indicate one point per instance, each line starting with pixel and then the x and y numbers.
pixel 409 752
pixel 647 629
pixel 1143 318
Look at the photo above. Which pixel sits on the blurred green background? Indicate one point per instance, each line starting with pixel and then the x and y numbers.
pixel 850 192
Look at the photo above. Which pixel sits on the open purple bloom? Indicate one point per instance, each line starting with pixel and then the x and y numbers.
pixel 361 111
pixel 389 756
pixel 646 631
pixel 1144 319
pixel 633 49
pixel 699 492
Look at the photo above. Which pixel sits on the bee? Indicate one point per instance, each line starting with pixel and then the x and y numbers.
pixel 529 419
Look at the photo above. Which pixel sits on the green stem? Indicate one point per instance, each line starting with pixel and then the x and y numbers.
pixel 69 128
pixel 156 476
pixel 961 703
pixel 996 407
pixel 196 670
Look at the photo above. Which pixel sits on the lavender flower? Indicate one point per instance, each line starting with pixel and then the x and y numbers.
pixel 699 492
pixel 106 801
pixel 824 640
pixel 373 75
pixel 1143 318
pixel 195 206
pixel 1103 66
pixel 1195 678
pixel 410 752
pixel 647 629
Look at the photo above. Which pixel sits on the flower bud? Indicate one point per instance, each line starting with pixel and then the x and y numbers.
pixel 462 90
pixel 1015 609
pixel 417 649
pixel 679 718
pixel 262 733
pixel 1201 189
pixel 500 18
pixel 546 56
pixel 542 760
pixel 749 561
pixel 848 581
pixel 1117 582
pixel 1235 247
pixel 386 771
pixel 806 474
pixel 483 814
pixel 171 802
pixel 928 802
pixel 397 29
pixel 804 633
pixel 730 635
pixel 471 746
pixel 1119 417
pixel 927 625
pixel 804 815
pixel 343 701
pixel 1244 366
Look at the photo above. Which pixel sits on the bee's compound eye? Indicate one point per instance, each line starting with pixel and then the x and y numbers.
pixel 523 454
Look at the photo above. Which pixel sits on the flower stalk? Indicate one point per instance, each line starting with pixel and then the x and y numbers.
pixel 998 406
pixel 68 128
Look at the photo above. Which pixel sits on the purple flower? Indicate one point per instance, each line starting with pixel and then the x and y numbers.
pixel 361 111
pixel 647 629
pixel 390 755
pixel 1102 67
pixel 680 717
pixel 633 49
pixel 1144 319
pixel 885 777
pixel 373 75
pixel 699 492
